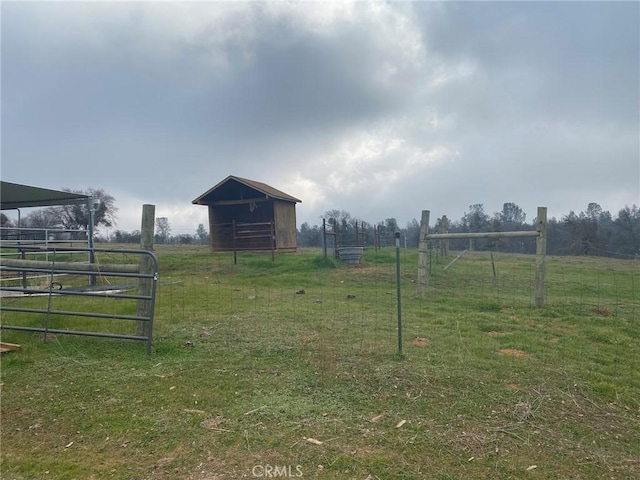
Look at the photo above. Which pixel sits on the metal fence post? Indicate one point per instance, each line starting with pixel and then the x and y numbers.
pixel 398 293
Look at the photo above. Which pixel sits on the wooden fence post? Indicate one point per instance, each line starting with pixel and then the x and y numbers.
pixel 423 278
pixel 541 253
pixel 324 238
pixel 444 244
pixel 145 285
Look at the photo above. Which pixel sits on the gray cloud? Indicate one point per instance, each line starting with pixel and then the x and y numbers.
pixel 378 109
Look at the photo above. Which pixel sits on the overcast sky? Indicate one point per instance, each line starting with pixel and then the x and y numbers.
pixel 379 109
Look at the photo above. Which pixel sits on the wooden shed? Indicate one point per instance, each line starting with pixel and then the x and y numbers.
pixel 249 215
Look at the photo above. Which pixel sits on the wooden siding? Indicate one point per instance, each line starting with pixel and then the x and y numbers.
pixel 285 222
pixel 249 215
pixel 254 236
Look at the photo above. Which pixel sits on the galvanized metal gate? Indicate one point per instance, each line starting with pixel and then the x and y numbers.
pixel 31 290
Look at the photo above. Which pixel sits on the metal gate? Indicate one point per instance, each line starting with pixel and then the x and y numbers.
pixel 43 290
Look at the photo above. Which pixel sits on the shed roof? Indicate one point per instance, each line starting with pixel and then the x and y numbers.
pixel 229 187
pixel 15 195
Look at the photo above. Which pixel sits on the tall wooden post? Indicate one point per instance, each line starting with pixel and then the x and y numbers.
pixel 423 277
pixel 324 238
pixel 541 253
pixel 444 243
pixel 145 285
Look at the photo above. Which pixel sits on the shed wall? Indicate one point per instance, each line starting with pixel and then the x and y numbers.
pixel 256 236
pixel 284 214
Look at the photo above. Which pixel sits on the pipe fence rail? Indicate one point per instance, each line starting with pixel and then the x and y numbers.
pixel 52 295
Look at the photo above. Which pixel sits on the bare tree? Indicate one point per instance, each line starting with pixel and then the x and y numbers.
pixel 163 229
pixel 76 216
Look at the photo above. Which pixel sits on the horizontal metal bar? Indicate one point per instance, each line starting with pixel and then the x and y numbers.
pixel 76 272
pixel 75 314
pixel 79 293
pixel 31 277
pixel 48 230
pixel 76 266
pixel 81 249
pixel 443 236
pixel 74 332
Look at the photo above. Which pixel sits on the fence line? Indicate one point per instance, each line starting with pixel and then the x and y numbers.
pixel 336 313
pixel 541 249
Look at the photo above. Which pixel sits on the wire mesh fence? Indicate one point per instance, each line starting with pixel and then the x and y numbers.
pixel 306 304
pixel 300 303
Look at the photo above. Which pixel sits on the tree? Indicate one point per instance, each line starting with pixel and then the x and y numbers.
pixel 163 229
pixel 387 230
pixel 309 236
pixel 202 234
pixel 43 218
pixel 594 212
pixel 476 221
pixel 76 216
pixel 340 220
pixel 512 216
pixel 183 239
pixel 391 225
pixel 413 233
pixel 628 226
pixel 342 223
pixel 583 231
pixel 126 237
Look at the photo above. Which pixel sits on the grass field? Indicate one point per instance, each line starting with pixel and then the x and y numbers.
pixel 291 369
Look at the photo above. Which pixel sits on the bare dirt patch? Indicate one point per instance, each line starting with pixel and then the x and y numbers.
pixel 514 353
pixel 212 423
pixel 493 333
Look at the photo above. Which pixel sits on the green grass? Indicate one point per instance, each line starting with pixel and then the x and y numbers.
pixel 246 369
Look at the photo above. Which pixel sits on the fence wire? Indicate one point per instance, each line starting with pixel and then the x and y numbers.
pixel 310 308
pixel 338 314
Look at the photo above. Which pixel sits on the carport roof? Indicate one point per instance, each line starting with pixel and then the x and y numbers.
pixel 15 195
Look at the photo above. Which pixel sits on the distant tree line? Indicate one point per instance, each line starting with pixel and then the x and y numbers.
pixel 591 232
pixel 162 235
